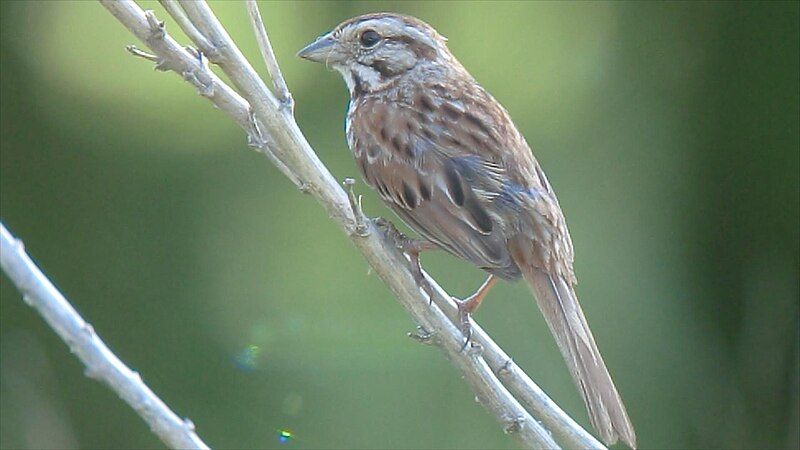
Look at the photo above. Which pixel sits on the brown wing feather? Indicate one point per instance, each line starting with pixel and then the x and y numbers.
pixel 421 169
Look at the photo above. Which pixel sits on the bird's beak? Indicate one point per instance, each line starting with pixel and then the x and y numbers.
pixel 323 50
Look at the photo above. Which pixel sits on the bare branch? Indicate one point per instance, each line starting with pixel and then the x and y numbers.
pixel 101 364
pixel 192 66
pixel 483 364
pixel 529 394
pixel 230 59
pixel 264 45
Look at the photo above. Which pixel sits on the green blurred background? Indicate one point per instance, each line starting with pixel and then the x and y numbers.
pixel 669 130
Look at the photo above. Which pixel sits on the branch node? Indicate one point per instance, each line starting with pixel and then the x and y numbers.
pixel 205 89
pixel 361 228
pixel 157 28
pixel 136 376
pixel 88 329
pixel 174 10
pixel 91 372
pixel 187 422
pixel 255 141
pixel 421 335
pixel 287 104
pixel 135 51
pixel 505 370
pixel 513 425
pixel 162 64
pixel 255 138
pixel 201 57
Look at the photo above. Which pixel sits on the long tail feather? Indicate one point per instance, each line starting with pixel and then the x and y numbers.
pixel 561 310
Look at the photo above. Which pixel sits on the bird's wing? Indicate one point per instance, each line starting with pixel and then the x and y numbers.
pixel 425 168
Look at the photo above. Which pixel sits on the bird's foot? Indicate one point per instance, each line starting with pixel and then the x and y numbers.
pixel 412 248
pixel 465 309
pixel 468 306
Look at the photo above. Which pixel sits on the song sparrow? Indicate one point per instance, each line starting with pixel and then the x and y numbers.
pixel 444 155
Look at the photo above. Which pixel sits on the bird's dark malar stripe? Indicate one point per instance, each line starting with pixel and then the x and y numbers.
pixel 358 86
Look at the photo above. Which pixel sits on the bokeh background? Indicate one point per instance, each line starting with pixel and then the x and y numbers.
pixel 669 130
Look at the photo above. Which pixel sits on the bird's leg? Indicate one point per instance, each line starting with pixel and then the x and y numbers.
pixel 470 304
pixel 412 248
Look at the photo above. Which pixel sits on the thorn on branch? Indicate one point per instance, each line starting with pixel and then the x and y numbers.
pixel 361 228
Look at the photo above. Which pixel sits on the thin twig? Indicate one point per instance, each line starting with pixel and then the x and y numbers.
pixel 192 66
pixel 479 364
pixel 281 90
pixel 230 59
pixel 101 364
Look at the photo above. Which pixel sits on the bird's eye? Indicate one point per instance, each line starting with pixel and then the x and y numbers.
pixel 369 38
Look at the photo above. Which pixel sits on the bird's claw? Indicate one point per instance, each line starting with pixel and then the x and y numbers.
pixel 464 323
pixel 410 247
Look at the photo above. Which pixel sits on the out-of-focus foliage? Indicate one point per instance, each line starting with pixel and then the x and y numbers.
pixel 670 131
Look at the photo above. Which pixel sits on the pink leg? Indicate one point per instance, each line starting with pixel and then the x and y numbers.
pixel 470 304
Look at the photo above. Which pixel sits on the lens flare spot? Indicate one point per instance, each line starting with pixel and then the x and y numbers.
pixel 247 358
pixel 285 436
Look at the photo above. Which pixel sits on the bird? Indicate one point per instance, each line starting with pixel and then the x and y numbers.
pixel 445 156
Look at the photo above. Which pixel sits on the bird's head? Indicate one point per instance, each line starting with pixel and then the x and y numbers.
pixel 375 49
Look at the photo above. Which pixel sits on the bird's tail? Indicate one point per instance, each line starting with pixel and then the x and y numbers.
pixel 559 305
